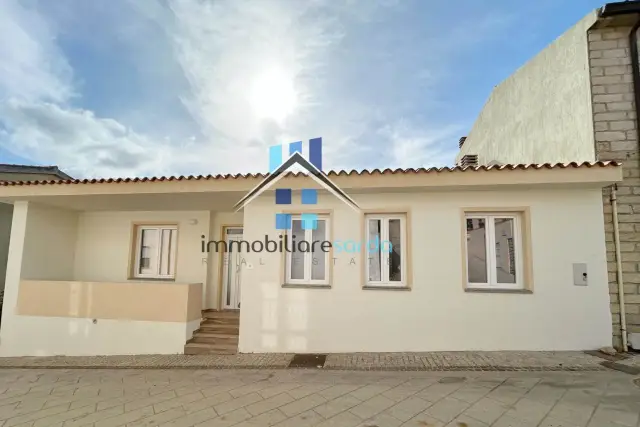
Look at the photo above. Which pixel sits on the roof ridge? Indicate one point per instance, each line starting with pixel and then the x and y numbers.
pixel 376 171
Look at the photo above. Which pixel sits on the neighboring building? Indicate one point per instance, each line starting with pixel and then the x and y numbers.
pixel 577 100
pixel 118 266
pixel 19 173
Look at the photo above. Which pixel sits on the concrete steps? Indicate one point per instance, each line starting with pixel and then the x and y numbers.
pixel 218 334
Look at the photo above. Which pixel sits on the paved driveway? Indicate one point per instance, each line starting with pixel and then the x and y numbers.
pixel 299 398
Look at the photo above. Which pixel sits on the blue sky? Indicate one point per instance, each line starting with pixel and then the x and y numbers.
pixel 160 87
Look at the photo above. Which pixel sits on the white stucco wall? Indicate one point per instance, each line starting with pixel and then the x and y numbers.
pixel 104 244
pixel 6 215
pixel 49 243
pixel 55 244
pixel 436 314
pixel 542 112
pixel 64 336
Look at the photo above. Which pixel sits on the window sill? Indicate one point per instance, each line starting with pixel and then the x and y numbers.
pixel 304 286
pixel 498 291
pixel 385 288
pixel 151 279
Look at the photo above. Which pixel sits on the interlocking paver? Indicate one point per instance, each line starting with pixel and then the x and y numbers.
pixel 302 405
pixel 271 403
pixel 301 398
pixel 447 409
pixel 371 407
pixel 192 419
pixel 237 403
pixel 408 408
pixel 487 410
pixel 127 417
pixel 344 419
pixel 265 419
pixel 337 405
pixel 228 419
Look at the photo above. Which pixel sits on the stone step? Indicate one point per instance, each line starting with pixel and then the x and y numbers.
pixel 212 334
pixel 206 348
pixel 223 321
pixel 210 314
pixel 229 340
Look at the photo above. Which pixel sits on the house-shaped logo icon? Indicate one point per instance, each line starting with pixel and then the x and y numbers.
pixel 283 196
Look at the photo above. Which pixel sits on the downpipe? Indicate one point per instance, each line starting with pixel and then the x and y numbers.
pixel 616 243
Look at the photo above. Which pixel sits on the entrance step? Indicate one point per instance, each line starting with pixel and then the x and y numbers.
pixel 218 334
pixel 205 348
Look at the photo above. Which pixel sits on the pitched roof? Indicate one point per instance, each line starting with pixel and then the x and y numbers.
pixel 353 172
pixel 29 169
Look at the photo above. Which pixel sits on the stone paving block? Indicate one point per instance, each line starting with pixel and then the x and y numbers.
pixel 507 394
pixel 305 419
pixel 237 403
pixel 408 408
pixel 381 420
pixel 94 417
pixel 302 405
pixel 149 401
pixel 33 416
pixel 368 391
pixel 269 404
pixel 248 388
pixel 487 410
pixel 613 415
pixel 177 402
pixel 529 410
pixel 403 391
pixel 64 416
pixel 576 413
pixel 192 419
pixel 555 422
pixel 466 421
pixel 335 406
pixel 447 409
pixel 344 419
pixel 274 389
pixel 437 391
pixel 546 393
pixel 201 404
pixel 470 393
pixel 423 420
pixel 371 407
pixel 158 419
pixel 508 421
pixel 228 419
pixel 127 417
pixel 265 419
pixel 307 389
pixel 338 390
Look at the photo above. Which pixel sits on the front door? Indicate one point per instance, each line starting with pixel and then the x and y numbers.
pixel 232 260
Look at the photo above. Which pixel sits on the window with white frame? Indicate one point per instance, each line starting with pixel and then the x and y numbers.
pixel 307 259
pixel 155 255
pixel 494 251
pixel 386 250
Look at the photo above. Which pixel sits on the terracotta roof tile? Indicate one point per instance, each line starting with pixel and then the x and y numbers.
pixel 330 173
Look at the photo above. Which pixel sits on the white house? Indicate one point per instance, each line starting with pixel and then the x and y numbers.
pixel 488 258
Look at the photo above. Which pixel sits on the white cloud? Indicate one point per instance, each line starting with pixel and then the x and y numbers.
pixel 89 145
pixel 413 147
pixel 223 48
pixel 31 65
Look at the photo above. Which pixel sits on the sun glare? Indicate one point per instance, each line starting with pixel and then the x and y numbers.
pixel 272 95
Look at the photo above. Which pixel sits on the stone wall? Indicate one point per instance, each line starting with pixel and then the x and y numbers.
pixel 616 138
